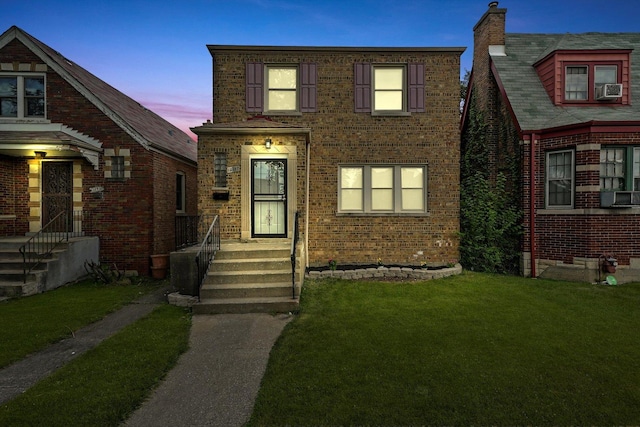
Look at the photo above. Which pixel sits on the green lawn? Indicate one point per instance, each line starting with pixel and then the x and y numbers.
pixel 106 384
pixel 471 349
pixel 30 324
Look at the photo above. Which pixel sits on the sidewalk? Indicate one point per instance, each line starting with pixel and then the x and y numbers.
pixel 18 377
pixel 214 383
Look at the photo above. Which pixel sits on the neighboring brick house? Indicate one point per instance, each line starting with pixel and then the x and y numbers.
pixel 363 142
pixel 69 141
pixel 569 98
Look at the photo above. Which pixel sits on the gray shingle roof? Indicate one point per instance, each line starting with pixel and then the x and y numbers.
pixel 142 124
pixel 530 103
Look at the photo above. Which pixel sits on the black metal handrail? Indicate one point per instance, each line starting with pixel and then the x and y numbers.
pixel 208 248
pixel 186 230
pixel 42 244
pixel 294 240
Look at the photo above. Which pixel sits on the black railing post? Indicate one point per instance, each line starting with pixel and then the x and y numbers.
pixel 210 244
pixel 294 240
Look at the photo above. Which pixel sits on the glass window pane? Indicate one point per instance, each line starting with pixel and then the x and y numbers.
pixel 8 86
pixel 282 100
pixel 388 100
pixel 8 107
pixel 606 74
pixel 382 177
pixel 34 107
pixel 351 177
pixel 351 200
pixel 412 199
pixel 559 179
pixel 34 86
pixel 412 178
pixel 382 199
pixel 576 83
pixel 282 78
pixel 388 78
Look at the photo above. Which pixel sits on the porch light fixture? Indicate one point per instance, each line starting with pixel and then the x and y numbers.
pixel 267 143
pixel 40 154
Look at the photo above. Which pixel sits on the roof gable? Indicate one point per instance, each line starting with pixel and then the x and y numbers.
pixel 142 124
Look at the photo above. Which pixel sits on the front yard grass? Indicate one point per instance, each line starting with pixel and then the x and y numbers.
pixel 471 349
pixel 105 385
pixel 32 323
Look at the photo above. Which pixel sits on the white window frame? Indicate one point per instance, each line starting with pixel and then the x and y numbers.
pixel 366 190
pixel 548 179
pixel 21 96
pixel 267 89
pixel 181 192
pixel 375 90
pixel 586 83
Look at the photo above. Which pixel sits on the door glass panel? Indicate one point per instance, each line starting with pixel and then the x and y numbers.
pixel 269 198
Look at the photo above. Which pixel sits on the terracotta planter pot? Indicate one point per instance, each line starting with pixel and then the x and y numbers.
pixel 158 272
pixel 160 261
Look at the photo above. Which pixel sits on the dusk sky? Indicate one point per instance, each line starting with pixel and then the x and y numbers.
pixel 155 51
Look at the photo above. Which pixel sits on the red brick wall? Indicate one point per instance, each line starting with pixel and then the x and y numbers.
pixel 590 231
pixel 135 216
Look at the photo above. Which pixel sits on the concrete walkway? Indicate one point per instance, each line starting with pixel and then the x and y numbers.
pixel 17 378
pixel 214 383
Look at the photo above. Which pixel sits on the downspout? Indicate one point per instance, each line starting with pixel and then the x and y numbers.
pixel 306 206
pixel 532 203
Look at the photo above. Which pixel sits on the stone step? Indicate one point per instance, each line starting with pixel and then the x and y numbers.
pixel 253 253
pixel 10 273
pixel 248 276
pixel 246 305
pixel 14 288
pixel 257 264
pixel 247 290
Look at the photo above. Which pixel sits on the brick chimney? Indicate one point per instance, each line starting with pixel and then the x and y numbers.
pixel 488 35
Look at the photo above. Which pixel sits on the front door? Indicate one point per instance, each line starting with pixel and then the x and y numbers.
pixel 57 193
pixel 269 198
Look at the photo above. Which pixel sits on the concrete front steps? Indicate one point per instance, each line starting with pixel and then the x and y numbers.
pixel 252 277
pixel 12 283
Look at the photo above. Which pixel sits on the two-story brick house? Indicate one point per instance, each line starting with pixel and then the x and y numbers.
pixel 362 142
pixel 569 100
pixel 71 142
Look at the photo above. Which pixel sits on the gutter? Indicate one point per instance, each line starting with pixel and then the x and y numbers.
pixel 532 203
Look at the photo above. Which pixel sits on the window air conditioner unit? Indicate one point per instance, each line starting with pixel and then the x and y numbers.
pixel 609 91
pixel 619 199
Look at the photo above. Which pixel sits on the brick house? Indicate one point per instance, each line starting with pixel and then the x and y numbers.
pixel 362 142
pixel 568 98
pixel 70 142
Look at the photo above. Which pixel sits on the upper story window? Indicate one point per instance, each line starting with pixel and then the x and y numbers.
pixel 382 189
pixel 117 167
pixel 560 177
pixel 585 82
pixel 280 89
pixel 22 96
pixel 389 89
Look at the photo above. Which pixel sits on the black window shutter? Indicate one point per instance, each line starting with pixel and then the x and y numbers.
pixel 362 87
pixel 308 80
pixel 254 91
pixel 416 88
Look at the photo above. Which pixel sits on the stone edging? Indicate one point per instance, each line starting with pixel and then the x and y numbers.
pixel 384 272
